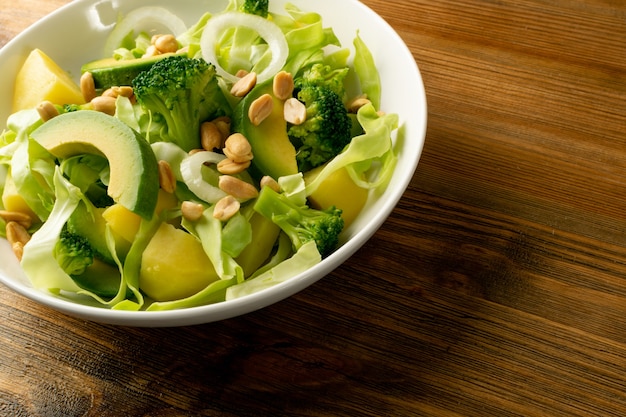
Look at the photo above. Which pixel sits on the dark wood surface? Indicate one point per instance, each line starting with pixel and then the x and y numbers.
pixel 496 288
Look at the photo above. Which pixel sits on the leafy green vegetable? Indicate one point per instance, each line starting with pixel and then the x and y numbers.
pixel 305 258
pixel 366 70
pixel 326 130
pixel 375 145
pixel 257 7
pixel 73 252
pixel 184 92
pixel 38 261
pixel 301 223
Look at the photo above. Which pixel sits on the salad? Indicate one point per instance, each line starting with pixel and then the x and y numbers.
pixel 192 166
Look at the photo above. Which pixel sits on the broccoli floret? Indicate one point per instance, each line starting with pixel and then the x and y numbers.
pixel 257 7
pixel 326 131
pixel 68 108
pixel 301 223
pixel 73 252
pixel 324 75
pixel 184 92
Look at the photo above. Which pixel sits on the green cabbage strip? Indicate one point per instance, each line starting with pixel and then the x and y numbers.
pixel 304 30
pixel 375 145
pixel 38 261
pixel 305 258
pixel 191 38
pixel 366 71
pixel 306 38
pixel 32 167
pixel 209 230
pixel 132 263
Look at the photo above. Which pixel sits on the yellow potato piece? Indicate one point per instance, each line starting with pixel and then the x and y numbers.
pixel 174 265
pixel 39 79
pixel 338 190
pixel 125 223
pixel 13 201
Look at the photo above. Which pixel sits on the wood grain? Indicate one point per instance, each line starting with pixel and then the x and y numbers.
pixel 496 288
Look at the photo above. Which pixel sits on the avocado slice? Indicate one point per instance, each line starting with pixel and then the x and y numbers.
pixel 274 154
pixel 109 72
pixel 134 176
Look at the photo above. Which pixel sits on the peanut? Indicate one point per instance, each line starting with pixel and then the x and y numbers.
pixel 191 211
pixel 356 103
pixel 150 51
pixel 268 181
pixel 237 148
pixel 241 73
pixel 244 85
pixel 47 110
pixel 260 109
pixel 283 85
pixel 167 181
pixel 18 250
pixel 87 86
pixel 237 188
pixel 104 104
pixel 116 91
pixel 165 43
pixel 229 167
pixel 210 136
pixel 226 208
pixel 223 124
pixel 17 236
pixel 294 111
pixel 15 216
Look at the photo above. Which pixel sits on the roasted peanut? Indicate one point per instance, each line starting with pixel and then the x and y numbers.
pixel 239 189
pixel 47 110
pixel 87 86
pixel 244 85
pixel 104 104
pixel 151 51
pixel 223 124
pixel 226 208
pixel 117 91
pixel 229 167
pixel 210 136
pixel 16 216
pixel 294 111
pixel 16 233
pixel 260 109
pixel 356 103
pixel 241 73
pixel 283 85
pixel 165 43
pixel 237 148
pixel 18 250
pixel 268 181
pixel 167 181
pixel 191 211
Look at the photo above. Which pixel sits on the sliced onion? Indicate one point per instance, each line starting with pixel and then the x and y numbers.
pixel 148 19
pixel 266 29
pixel 191 171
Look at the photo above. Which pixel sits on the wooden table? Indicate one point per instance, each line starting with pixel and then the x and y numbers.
pixel 496 288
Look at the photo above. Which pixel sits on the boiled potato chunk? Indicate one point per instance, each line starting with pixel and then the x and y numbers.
pixel 174 265
pixel 39 79
pixel 13 201
pixel 125 223
pixel 339 190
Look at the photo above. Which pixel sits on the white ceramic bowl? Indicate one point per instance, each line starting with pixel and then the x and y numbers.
pixel 76 34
